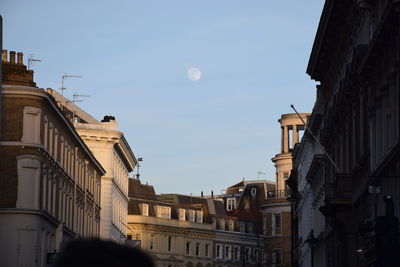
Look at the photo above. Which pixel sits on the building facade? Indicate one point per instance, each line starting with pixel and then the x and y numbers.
pixel 50 181
pixel 174 235
pixel 308 185
pixel 111 149
pixel 359 129
pixel 238 223
pixel 277 208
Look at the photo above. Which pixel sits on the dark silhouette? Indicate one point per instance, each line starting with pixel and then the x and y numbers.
pixel 100 253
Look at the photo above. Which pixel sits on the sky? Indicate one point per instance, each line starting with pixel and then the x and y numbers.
pixel 134 55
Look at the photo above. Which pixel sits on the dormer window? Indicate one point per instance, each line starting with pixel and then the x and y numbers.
pixel 182 214
pixel 199 216
pixel 192 216
pixel 164 212
pixel 230 204
pixel 145 209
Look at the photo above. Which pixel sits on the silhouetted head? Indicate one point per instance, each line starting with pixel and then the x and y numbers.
pixel 100 253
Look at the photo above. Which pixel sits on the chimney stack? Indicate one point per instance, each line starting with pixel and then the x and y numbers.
pixel 4 56
pixel 20 60
pixel 12 57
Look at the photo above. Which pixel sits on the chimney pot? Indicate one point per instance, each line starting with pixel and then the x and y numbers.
pixel 20 57
pixel 12 57
pixel 4 55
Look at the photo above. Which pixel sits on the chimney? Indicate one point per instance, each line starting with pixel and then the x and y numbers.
pixel 201 193
pixel 14 71
pixel 12 57
pixel 212 194
pixel 20 56
pixel 4 57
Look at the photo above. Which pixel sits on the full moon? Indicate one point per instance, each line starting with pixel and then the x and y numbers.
pixel 194 74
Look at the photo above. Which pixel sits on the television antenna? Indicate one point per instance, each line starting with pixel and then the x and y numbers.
pixel 64 77
pixel 138 167
pixel 31 61
pixel 260 173
pixel 75 98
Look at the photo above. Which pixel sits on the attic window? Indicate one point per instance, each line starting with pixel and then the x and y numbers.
pixel 182 216
pixel 164 212
pixel 145 209
pixel 199 216
pixel 230 204
pixel 253 191
pixel 191 216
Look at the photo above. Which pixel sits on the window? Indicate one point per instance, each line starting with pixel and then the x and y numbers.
pixel 222 224
pixel 197 249
pixel 285 175
pixel 45 132
pixel 182 214
pixel 242 227
pixel 264 225
pixel 191 216
pixel 276 224
pixel 169 243
pixel 250 228
pixel 230 204
pixel 50 145
pixel 218 251
pixel 228 252
pixel 231 225
pixel 31 125
pixel 236 253
pixel 277 256
pixel 256 255
pixel 199 216
pixel 145 209
pixel 55 144
pixel 164 212
pixel 214 223
pixel 206 250
pixel 247 253
pixel 187 248
pixel 151 243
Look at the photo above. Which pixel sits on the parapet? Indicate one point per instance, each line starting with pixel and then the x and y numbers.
pixel 14 70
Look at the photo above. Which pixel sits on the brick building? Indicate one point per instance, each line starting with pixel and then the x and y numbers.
pixel 49 179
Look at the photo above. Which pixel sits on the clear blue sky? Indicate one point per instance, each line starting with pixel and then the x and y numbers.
pixel 133 56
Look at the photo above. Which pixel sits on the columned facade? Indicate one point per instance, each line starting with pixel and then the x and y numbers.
pixel 277 208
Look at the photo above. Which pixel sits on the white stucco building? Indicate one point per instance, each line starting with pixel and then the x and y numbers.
pixel 111 149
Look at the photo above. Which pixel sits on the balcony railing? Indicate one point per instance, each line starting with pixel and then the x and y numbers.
pixel 278 194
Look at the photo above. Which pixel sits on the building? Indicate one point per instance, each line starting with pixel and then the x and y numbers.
pixel 236 239
pixel 173 234
pixel 308 185
pixel 359 128
pixel 277 208
pixel 49 179
pixel 243 201
pixel 111 149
